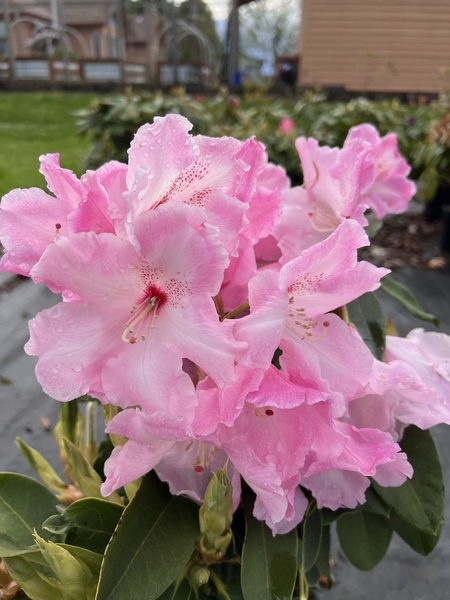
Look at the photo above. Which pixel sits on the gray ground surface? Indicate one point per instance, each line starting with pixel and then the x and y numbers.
pixel 402 575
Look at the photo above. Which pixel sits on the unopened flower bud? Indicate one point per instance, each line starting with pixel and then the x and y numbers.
pixel 74 576
pixel 216 516
pixel 199 575
pixel 35 585
pixel 43 467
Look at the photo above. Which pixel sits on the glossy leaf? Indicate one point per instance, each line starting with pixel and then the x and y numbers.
pixel 151 547
pixel 323 558
pixel 88 523
pixel 269 564
pixel 24 505
pixel 420 500
pixel 364 537
pixel 405 297
pixel 375 504
pixel 310 533
pixel 313 576
pixel 367 315
pixel 421 542
pixel 330 516
pixel 178 591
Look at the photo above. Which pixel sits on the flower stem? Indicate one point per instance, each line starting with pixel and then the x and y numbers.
pixel 237 311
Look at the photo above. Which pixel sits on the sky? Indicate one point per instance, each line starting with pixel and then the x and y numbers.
pixel 220 8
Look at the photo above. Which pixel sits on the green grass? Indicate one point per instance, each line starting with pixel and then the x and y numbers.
pixel 34 123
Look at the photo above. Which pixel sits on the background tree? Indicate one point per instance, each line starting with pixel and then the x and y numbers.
pixel 269 28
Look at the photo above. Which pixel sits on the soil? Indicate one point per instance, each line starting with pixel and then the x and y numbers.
pixel 406 239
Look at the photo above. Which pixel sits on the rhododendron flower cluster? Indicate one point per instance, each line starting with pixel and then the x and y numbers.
pixel 184 273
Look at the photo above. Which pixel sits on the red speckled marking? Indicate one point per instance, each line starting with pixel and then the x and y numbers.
pixel 307 282
pixel 189 177
pixel 170 291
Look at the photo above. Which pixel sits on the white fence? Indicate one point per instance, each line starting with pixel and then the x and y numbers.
pixel 72 71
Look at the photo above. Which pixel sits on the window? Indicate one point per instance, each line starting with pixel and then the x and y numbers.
pixel 113 47
pixel 96 45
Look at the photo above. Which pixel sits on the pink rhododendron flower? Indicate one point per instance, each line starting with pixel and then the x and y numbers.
pixel 170 315
pixel 31 219
pixel 413 387
pixel 384 184
pixel 286 126
pixel 287 303
pixel 368 172
pixel 142 313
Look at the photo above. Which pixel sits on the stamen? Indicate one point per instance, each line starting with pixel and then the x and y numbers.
pixel 304 324
pixel 58 227
pixel 142 312
pixel 321 221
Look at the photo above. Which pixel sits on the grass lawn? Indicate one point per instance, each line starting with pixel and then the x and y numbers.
pixel 34 123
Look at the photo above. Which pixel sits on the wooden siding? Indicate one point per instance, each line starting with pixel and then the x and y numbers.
pixel 376 45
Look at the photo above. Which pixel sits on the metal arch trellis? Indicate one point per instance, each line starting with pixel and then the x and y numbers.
pixel 52 31
pixel 182 29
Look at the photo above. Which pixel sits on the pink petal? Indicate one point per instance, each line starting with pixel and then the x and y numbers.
pixel 263 328
pixel 337 489
pixel 149 374
pixel 129 462
pixel 328 274
pixel 73 341
pixel 92 214
pixel 30 220
pixel 395 473
pixel 99 268
pixel 62 182
pixel 158 153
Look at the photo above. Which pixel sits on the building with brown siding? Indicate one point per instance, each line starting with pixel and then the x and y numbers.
pixel 376 45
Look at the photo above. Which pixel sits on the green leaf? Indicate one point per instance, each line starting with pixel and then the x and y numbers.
pixel 367 316
pixel 181 591
pixel 151 547
pixel 421 542
pixel 269 564
pixel 313 576
pixel 420 500
pixel 330 516
pixel 24 505
pixel 375 504
pixel 402 294
pixel 88 523
pixel 87 477
pixel 310 532
pixel 323 558
pixel 364 537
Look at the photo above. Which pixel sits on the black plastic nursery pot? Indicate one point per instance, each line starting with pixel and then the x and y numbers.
pixel 445 239
pixel 433 209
